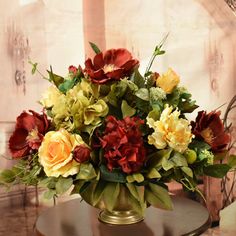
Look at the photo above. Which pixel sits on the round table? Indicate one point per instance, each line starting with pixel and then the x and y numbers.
pixel 76 218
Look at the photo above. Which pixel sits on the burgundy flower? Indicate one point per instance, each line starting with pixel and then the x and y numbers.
pixel 123 144
pixel 28 134
pixel 81 153
pixel 113 64
pixel 210 128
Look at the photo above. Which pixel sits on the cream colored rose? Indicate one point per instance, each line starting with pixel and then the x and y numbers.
pixel 55 153
pixel 50 97
pixel 168 81
pixel 170 130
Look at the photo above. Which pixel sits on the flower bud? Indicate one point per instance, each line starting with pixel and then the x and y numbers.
pixel 81 153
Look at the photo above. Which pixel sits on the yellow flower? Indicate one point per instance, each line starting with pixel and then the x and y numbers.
pixel 55 153
pixel 50 97
pixel 170 130
pixel 168 81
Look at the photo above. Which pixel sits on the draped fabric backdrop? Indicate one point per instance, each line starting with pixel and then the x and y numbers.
pixel 200 48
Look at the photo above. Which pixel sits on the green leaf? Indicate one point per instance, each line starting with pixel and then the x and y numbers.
pixel 138 206
pixel 179 160
pixel 49 182
pixel 49 194
pixel 130 178
pixel 77 187
pixel 98 192
pixel 34 68
pixel 232 161
pixel 217 170
pixel 56 79
pixel 198 146
pixel 67 85
pixel 86 172
pixel 95 48
pixel 138 79
pixel 154 114
pixel 126 109
pixel 167 164
pixel 158 197
pixel 136 191
pixel 112 176
pixel 138 177
pixel 143 94
pixel 63 184
pixel 153 174
pixel 150 81
pixel 156 159
pixel 188 171
pixel 110 195
pixel 7 176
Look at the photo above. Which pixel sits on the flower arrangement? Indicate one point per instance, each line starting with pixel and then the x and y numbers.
pixel 106 127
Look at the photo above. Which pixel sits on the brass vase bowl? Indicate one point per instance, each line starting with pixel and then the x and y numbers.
pixel 122 213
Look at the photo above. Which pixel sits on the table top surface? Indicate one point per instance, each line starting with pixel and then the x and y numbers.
pixel 76 218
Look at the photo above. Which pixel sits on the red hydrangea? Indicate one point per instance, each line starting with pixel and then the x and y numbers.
pixel 209 127
pixel 122 143
pixel 29 132
pixel 113 64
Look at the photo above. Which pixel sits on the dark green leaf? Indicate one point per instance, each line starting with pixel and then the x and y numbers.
pixel 198 146
pixel 112 176
pixel 56 79
pixel 95 48
pixel 217 170
pixel 77 187
pixel 138 79
pixel 98 192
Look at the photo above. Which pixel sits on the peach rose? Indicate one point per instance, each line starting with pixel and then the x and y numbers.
pixel 55 153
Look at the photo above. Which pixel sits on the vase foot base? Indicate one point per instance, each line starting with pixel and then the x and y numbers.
pixel 120 217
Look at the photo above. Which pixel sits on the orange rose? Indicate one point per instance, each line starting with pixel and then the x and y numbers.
pixel 55 153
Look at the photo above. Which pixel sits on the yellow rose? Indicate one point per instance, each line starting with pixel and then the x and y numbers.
pixel 50 97
pixel 170 130
pixel 55 153
pixel 168 81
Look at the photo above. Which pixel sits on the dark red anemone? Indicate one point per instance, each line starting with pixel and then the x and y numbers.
pixel 209 127
pixel 113 64
pixel 28 134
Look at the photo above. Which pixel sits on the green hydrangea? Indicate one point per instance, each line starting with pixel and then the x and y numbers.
pixel 157 94
pixel 79 108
